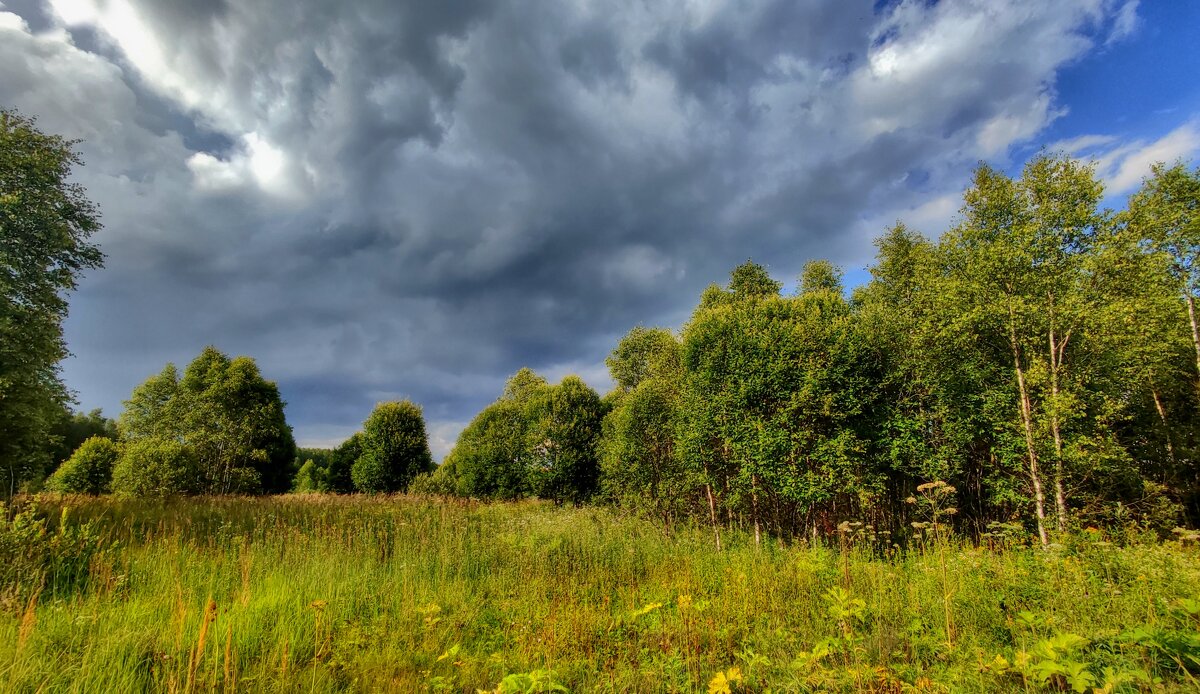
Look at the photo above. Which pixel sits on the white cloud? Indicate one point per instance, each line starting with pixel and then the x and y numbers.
pixel 1001 132
pixel 1124 167
pixel 442 437
pixel 1082 144
pixel 1126 22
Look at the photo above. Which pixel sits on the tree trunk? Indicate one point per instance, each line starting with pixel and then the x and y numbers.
pixel 1162 416
pixel 1035 475
pixel 712 512
pixel 754 509
pixel 1191 305
pixel 1060 496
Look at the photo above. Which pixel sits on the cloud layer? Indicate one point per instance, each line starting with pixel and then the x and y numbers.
pixel 410 199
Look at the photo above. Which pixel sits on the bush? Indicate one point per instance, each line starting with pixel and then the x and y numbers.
pixel 371 474
pixel 309 479
pixel 33 559
pixel 89 470
pixel 435 483
pixel 155 467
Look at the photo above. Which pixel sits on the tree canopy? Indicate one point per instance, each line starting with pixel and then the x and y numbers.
pixel 226 414
pixel 45 223
pixel 395 448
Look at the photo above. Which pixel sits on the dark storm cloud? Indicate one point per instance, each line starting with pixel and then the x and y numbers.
pixel 392 199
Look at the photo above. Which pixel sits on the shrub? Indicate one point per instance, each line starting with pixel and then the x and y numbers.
pixel 155 467
pixel 310 478
pixel 33 559
pixel 434 483
pixel 89 470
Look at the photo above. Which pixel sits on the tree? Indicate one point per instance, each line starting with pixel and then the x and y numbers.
pixel 310 478
pixel 639 466
pixel 820 275
pixel 929 423
pixel 45 224
pixel 341 463
pixel 522 386
pixel 89 470
pixel 1020 278
pixel 565 423
pixel 76 427
pixel 491 458
pixel 236 425
pixel 752 279
pixel 151 410
pixel 229 416
pixel 312 470
pixel 1165 212
pixel 156 467
pixel 774 389
pixel 634 359
pixel 395 449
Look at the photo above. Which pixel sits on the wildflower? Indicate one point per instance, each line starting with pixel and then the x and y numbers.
pixel 647 609
pixel 722 681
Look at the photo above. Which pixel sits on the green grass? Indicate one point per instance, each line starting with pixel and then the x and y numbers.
pixel 401 594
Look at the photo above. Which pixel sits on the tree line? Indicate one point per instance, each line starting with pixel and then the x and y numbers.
pixel 1041 359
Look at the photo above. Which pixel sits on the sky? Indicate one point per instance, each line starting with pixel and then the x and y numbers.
pixel 390 199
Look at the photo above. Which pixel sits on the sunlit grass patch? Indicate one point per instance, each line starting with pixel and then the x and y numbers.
pixel 310 593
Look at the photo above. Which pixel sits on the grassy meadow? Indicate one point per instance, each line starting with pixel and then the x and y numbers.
pixel 324 593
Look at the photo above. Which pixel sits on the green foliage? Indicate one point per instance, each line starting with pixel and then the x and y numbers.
pixel 523 386
pixel 491 458
pixel 153 409
pixel 564 430
pixel 536 439
pixel 341 463
pixel 528 683
pixel 227 414
pixel 45 223
pixel 76 427
pixel 1166 214
pixel 89 470
pixel 235 423
pixel 312 470
pixel 1036 358
pixel 639 466
pixel 309 478
pixel 751 279
pixel 35 558
pixel 395 449
pixel 774 394
pixel 156 467
pixel 440 482
pixel 640 354
pixel 820 276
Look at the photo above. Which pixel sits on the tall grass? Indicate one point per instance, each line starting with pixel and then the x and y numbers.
pixel 401 594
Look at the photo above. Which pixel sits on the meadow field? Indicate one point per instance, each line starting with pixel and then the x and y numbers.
pixel 352 593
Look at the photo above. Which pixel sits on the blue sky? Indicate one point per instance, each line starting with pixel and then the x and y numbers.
pixel 1140 86
pixel 393 198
